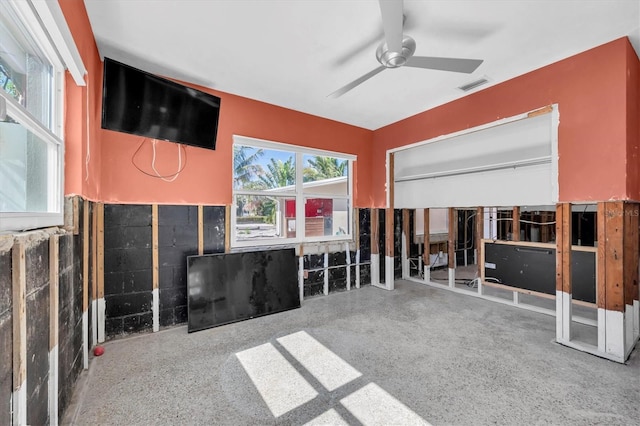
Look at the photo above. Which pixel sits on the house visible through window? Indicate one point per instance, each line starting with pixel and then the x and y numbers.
pixel 284 193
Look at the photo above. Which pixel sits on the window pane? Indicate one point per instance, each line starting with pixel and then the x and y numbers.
pixel 325 175
pixel 263 218
pixel 25 73
pixel 25 169
pixel 263 169
pixel 326 217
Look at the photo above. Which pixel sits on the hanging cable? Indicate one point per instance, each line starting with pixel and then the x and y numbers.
pixel 156 174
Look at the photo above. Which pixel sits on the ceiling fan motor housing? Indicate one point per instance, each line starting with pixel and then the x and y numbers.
pixel 391 59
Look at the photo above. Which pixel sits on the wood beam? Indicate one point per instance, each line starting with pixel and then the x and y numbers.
pixel 375 231
pixel 389 228
pixel 611 289
pixel 200 230
pixel 516 223
pixel 631 252
pixel 478 237
pixel 451 245
pixel 427 240
pixel 19 319
pixel 227 229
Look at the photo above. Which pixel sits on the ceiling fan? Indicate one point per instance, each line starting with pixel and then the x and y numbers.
pixel 397 50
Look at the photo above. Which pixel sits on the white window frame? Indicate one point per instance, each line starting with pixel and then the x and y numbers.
pixel 46 25
pixel 300 194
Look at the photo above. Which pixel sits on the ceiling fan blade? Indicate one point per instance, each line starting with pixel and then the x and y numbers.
pixel 444 64
pixel 344 89
pixel 392 20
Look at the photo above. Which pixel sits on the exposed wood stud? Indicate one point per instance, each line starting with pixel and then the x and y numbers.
pixel 566 248
pixel 516 224
pixel 478 237
pixel 614 256
pixel 19 319
pixel 389 228
pixel 201 230
pixel 85 256
pixel 375 231
pixel 227 229
pixel 100 251
pixel 601 268
pixel 451 244
pixel 407 237
pixel 631 253
pixel 427 243
pixel 76 215
pixel 54 276
pixel 154 246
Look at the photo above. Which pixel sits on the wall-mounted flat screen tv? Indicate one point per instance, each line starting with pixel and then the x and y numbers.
pixel 140 103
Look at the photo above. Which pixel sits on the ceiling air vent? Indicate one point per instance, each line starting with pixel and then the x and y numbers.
pixel 473 84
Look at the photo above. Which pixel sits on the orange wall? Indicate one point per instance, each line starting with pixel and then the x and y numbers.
pixel 597 93
pixel 207 176
pixel 591 91
pixel 633 124
pixel 81 155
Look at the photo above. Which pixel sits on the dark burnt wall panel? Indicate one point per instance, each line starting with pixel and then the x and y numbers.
pixel 177 239
pixel 6 337
pixel 397 243
pixel 127 268
pixel 70 316
pixel 213 229
pixel 337 271
pixel 313 284
pixel 364 218
pixel 37 316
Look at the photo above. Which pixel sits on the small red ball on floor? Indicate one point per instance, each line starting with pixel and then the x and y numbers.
pixel 98 350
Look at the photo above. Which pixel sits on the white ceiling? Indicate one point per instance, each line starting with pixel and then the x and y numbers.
pixel 294 53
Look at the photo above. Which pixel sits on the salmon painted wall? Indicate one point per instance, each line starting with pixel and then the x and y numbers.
pixel 591 90
pixel 207 175
pixel 633 124
pixel 82 165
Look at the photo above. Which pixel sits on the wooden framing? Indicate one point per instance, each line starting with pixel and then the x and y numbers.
pixel 375 231
pixel 516 224
pixel 201 230
pixel 478 237
pixel 356 227
pixel 563 248
pixel 100 268
pixel 94 273
pixel 427 240
pixel 541 111
pixel 610 283
pixel 631 253
pixel 227 229
pixel 85 256
pixel 389 225
pixel 154 246
pixel 54 276
pixel 451 245
pixel 19 319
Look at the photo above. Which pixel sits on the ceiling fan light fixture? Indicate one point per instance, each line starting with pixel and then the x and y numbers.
pixel 392 59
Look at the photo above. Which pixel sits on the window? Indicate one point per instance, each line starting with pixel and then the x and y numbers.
pixel 31 148
pixel 286 194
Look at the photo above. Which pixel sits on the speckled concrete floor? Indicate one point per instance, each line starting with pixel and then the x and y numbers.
pixel 369 356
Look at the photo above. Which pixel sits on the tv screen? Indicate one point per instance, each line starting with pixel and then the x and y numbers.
pixel 225 288
pixel 139 103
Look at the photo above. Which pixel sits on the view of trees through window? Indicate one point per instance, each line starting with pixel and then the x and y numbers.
pixel 265 190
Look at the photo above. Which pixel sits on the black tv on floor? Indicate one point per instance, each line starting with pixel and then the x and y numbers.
pixel 225 288
pixel 140 103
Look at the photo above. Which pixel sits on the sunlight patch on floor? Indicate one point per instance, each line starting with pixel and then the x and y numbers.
pixel 372 405
pixel 327 367
pixel 282 388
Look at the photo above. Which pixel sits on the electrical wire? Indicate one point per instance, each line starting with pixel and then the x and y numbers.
pixel 156 174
